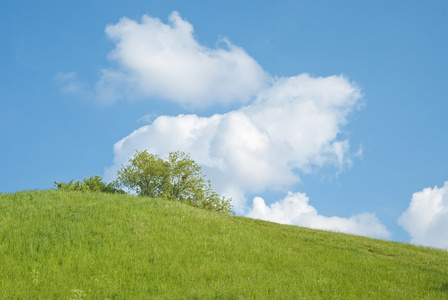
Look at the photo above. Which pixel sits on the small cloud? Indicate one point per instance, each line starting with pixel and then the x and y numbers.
pixel 426 219
pixel 295 209
pixel 360 152
pixel 65 76
pixel 69 82
pixel 147 119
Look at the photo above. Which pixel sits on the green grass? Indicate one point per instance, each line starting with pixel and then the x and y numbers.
pixel 72 245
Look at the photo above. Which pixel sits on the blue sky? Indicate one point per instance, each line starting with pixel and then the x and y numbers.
pixel 325 114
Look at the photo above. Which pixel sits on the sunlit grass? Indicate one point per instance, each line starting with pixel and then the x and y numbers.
pixel 69 245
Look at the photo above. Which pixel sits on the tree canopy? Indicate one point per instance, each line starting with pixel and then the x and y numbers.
pixel 178 177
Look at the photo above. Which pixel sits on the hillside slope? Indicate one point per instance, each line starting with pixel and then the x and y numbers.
pixel 62 245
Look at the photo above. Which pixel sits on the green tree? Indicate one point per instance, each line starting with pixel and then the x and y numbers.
pixel 147 175
pixel 177 178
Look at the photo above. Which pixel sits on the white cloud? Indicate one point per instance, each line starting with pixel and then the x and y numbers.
pixel 147 119
pixel 165 60
pixel 426 218
pixel 69 82
pixel 294 209
pixel 305 114
pixel 292 126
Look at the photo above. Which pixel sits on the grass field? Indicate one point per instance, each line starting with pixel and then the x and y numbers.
pixel 73 245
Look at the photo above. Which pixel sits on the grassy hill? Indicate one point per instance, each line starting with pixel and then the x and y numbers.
pixel 72 245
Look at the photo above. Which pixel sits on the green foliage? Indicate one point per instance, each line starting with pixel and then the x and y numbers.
pixel 177 178
pixel 62 245
pixel 146 175
pixel 93 184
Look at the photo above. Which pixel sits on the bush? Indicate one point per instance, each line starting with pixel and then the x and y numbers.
pixel 92 184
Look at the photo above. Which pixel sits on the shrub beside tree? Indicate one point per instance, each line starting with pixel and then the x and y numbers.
pixel 177 178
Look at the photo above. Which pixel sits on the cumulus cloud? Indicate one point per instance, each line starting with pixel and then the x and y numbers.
pixel 295 209
pixel 284 127
pixel 426 218
pixel 291 127
pixel 165 60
